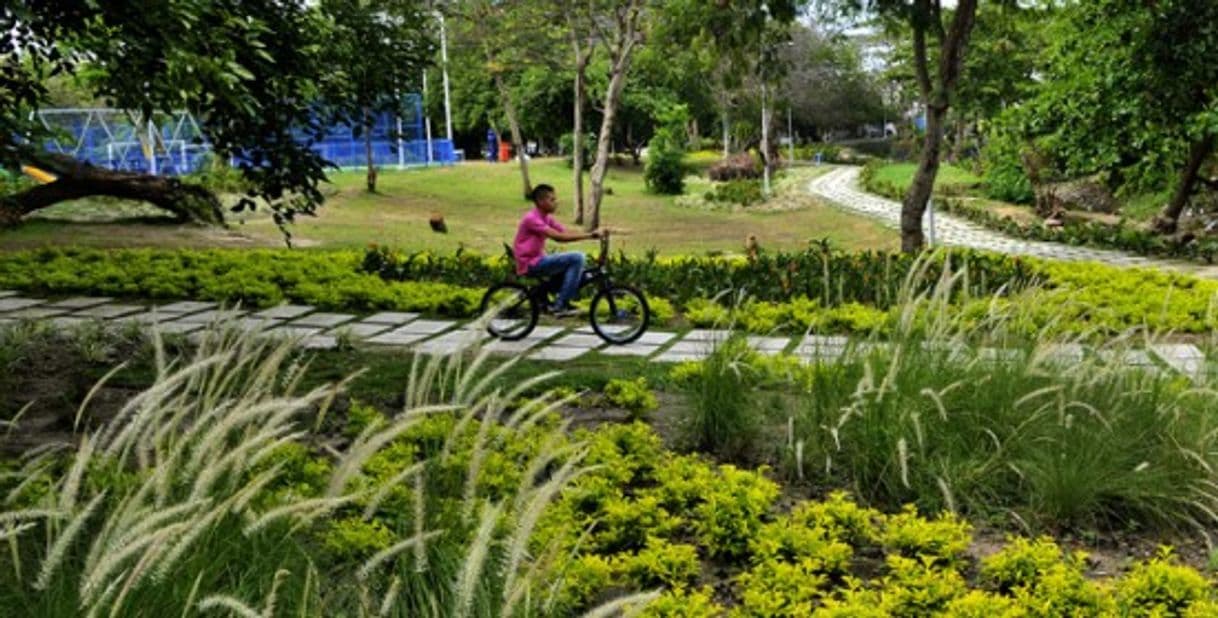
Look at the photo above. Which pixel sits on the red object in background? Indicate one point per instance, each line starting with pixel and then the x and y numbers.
pixel 505 152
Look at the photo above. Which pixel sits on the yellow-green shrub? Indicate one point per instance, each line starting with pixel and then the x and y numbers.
pixel 918 587
pixel 661 563
pixel 681 603
pixel 941 540
pixel 1160 588
pixel 703 313
pixel 631 395
pixel 733 510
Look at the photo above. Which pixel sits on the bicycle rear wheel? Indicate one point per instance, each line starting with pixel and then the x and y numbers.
pixel 620 314
pixel 512 310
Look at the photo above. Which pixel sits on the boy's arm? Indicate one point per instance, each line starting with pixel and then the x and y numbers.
pixel 555 231
pixel 564 236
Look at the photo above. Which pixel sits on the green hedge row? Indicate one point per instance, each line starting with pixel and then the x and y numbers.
pixel 819 272
pixel 819 289
pixel 254 278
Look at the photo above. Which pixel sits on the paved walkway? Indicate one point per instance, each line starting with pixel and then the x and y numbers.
pixel 841 187
pixel 316 329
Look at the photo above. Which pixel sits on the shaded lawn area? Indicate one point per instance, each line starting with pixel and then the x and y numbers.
pixel 481 204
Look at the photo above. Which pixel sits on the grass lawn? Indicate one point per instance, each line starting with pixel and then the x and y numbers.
pixel 480 204
pixel 956 181
pixel 949 177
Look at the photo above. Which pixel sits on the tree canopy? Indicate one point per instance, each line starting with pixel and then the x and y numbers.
pixel 256 72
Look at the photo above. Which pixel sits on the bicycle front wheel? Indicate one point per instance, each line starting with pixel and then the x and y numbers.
pixel 620 314
pixel 510 310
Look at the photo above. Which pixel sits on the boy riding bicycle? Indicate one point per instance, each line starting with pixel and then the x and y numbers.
pixel 535 227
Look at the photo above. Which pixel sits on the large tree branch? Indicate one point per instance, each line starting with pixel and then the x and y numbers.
pixel 921 71
pixel 951 56
pixel 632 24
pixel 936 20
pixel 77 179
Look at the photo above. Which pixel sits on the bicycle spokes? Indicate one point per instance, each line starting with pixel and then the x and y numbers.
pixel 619 314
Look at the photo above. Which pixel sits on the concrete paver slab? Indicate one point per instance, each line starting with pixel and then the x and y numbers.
pixel 358 330
pixel 426 327
pixel 396 338
pixel 186 306
pixel 219 316
pixel 35 313
pixel 578 340
pixel 558 353
pixel 109 312
pixel 630 349
pixel 13 303
pixel 450 343
pixel 703 334
pixel 177 327
pixel 393 318
pixel 294 331
pixel 80 302
pixel 769 345
pixel 323 320
pixel 284 312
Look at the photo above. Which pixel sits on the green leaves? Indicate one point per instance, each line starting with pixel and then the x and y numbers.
pixel 1124 89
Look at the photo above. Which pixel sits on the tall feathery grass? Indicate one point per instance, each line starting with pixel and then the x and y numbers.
pixel 1047 431
pixel 180 505
pixel 966 411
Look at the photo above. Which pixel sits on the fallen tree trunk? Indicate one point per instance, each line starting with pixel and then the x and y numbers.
pixel 77 179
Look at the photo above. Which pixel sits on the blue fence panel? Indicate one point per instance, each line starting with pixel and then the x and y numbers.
pixel 108 138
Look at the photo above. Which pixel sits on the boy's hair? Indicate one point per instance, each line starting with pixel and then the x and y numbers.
pixel 540 191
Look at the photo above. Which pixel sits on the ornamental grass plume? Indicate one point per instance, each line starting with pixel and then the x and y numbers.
pixel 982 412
pixel 178 502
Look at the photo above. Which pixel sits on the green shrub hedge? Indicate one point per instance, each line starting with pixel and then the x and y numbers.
pixel 818 272
pixel 818 288
pixel 254 278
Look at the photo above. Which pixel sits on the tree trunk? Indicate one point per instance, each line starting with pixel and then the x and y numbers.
pixel 936 97
pixel 616 82
pixel 1170 216
pixel 583 55
pixel 619 58
pixel 577 154
pixel 923 182
pixel 509 107
pixel 765 143
pixel 77 179
pixel 368 150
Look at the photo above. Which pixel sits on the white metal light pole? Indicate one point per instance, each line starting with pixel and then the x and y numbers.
pixel 151 148
pixel 427 121
pixel 448 114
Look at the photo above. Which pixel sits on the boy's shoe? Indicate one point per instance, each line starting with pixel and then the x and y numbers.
pixel 563 312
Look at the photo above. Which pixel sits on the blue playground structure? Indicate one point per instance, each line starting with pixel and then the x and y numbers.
pixel 400 140
pixel 174 144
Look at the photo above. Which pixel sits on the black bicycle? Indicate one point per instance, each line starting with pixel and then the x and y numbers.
pixel 619 313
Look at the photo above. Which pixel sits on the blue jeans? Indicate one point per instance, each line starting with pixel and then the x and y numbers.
pixel 570 266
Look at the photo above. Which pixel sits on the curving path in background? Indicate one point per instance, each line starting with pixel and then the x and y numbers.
pixel 840 187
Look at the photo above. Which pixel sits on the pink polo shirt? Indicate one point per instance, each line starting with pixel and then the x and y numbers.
pixel 530 244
